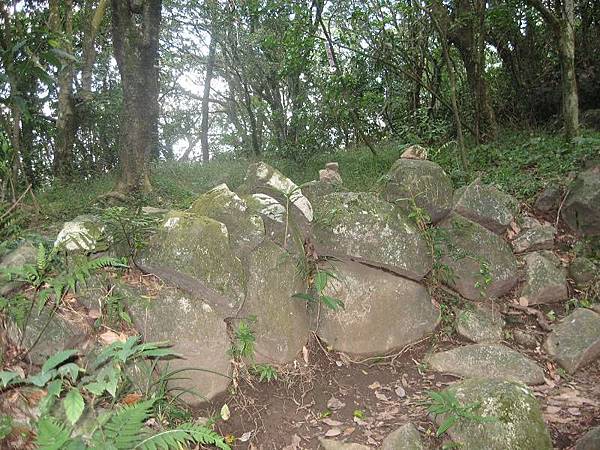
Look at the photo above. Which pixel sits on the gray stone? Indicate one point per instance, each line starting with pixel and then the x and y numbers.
pixel 313 190
pixel 474 255
pixel 282 324
pixel 575 341
pixel 24 254
pixel 486 205
pixel 363 227
pixel 514 419
pixel 525 339
pixel 152 211
pixel 197 247
pixel 589 441
pixel 534 236
pixel 480 324
pixel 246 229
pixel 382 311
pixel 332 444
pixel 83 234
pixel 330 176
pixel 581 210
pixel 494 361
pixel 583 271
pixel 198 333
pixel 546 279
pixel 420 183
pixel 414 152
pixel 404 438
pixel 549 199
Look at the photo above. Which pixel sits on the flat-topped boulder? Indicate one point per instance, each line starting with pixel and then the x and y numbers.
pixel 421 183
pixel 575 341
pixel 246 229
pixel 197 332
pixel 282 324
pixel 486 205
pixel 511 417
pixel 198 248
pixel 494 361
pixel 365 228
pixel 480 324
pixel 581 210
pixel 481 263
pixel 534 236
pixel 382 311
pixel 546 279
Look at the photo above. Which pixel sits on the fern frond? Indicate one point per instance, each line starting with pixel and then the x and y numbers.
pixel 125 428
pixel 42 262
pixel 185 434
pixel 51 435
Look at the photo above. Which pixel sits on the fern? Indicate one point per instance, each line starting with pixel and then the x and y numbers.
pixel 51 435
pixel 185 434
pixel 124 428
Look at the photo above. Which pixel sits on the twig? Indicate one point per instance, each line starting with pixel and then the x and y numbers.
pixel 14 205
pixel 560 207
pixel 539 315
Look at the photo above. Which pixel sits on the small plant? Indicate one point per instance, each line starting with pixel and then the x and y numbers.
pixel 265 372
pixel 318 283
pixel 575 303
pixel 445 403
pixel 128 227
pixel 243 340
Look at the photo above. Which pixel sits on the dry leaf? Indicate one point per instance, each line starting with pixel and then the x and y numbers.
pixel 225 412
pixel 245 437
pixel 381 396
pixel 375 385
pixel 109 337
pixel 348 431
pixel 132 398
pixel 523 301
pixel 400 392
pixel 94 313
pixel 333 432
pixel 331 422
pixel 305 354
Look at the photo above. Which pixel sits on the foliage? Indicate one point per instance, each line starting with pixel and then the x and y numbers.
pixel 445 403
pixel 318 283
pixel 129 228
pixel 265 372
pixel 244 339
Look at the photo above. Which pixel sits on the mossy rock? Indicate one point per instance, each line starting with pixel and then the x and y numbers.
pixel 546 280
pixel 24 254
pixel 511 417
pixel 198 247
pixel 480 324
pixel 480 264
pixel 246 229
pixel 584 271
pixel 406 437
pixel 420 183
pixel 83 234
pixel 581 210
pixel 365 228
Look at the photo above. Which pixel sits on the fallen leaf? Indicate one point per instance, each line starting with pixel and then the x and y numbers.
pixel 331 422
pixel 574 411
pixel 523 301
pixel 225 412
pixel 94 313
pixel 381 396
pixel 348 431
pixel 245 437
pixel 375 385
pixel 132 398
pixel 333 432
pixel 110 337
pixel 552 409
pixel 400 392
pixel 305 354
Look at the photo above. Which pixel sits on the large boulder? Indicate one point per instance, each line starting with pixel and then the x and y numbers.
pixel 420 183
pixel 363 227
pixel 581 210
pixel 83 234
pixel 404 438
pixel 575 341
pixel 481 264
pixel 198 334
pixel 480 324
pixel 589 441
pixel 382 311
pixel 486 205
pixel 282 324
pixel 549 199
pixel 196 247
pixel 24 254
pixel 487 360
pixel 511 418
pixel 546 280
pixel 246 229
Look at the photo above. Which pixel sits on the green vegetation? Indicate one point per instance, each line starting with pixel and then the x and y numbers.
pixel 445 404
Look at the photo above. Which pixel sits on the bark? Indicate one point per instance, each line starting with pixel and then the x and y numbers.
pixel 210 64
pixel 135 30
pixel 89 48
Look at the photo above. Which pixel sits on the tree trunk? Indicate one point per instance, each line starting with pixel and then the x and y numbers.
pixel 135 30
pixel 210 64
pixel 570 98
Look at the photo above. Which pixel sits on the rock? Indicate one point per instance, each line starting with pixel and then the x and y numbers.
pixel 589 441
pixel 420 183
pixel 84 234
pixel 404 438
pixel 24 254
pixel 282 324
pixel 581 210
pixel 590 118
pixel 198 333
pixel 534 236
pixel 480 324
pixel 487 206
pixel 471 249
pixel 414 152
pixel 525 339
pixel 331 173
pixel 264 179
pixel 382 311
pixel 152 211
pixel 575 341
pixel 546 280
pixel 363 227
pixel 515 419
pixel 196 247
pixel 246 229
pixel 332 444
pixel 549 199
pixel 494 361
pixel 313 190
pixel 583 271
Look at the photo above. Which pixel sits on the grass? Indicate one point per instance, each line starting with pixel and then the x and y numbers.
pixel 519 163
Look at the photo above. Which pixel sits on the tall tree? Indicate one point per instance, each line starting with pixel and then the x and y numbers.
pixel 135 31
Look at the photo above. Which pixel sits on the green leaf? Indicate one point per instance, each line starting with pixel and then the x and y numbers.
pixel 51 435
pixel 57 359
pixel 446 425
pixel 6 377
pixel 332 303
pixel 41 378
pixel 95 388
pixel 74 405
pixel 70 369
pixel 321 280
pixel 304 296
